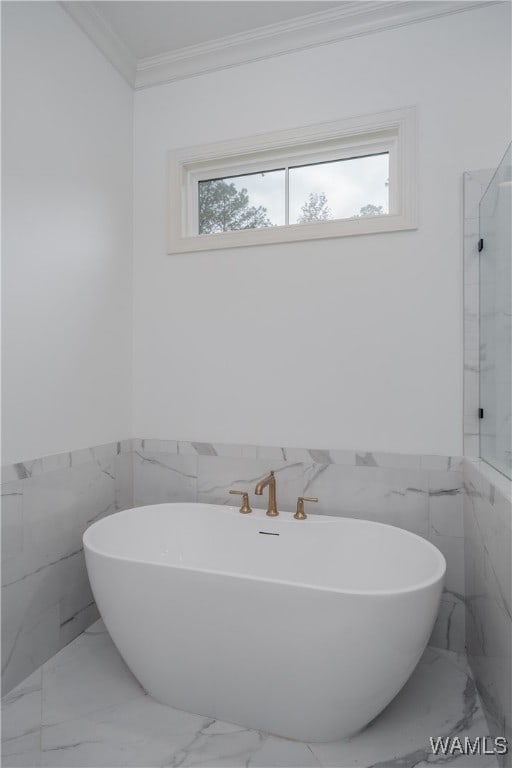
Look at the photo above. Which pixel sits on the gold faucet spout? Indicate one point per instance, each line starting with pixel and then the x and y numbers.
pixel 270 480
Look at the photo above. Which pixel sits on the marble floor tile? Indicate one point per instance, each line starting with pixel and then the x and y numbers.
pixel 276 751
pixel 219 744
pixel 84 709
pixel 85 676
pixel 139 732
pixel 440 699
pixel 21 708
pixel 21 723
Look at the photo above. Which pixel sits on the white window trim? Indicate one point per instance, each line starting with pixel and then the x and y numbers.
pixel 393 131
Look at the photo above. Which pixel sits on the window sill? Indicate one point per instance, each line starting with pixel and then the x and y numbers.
pixel 293 233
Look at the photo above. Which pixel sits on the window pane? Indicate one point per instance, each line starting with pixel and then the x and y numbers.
pixel 341 189
pixel 242 202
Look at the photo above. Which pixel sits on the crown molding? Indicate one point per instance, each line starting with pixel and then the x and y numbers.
pixel 103 36
pixel 352 20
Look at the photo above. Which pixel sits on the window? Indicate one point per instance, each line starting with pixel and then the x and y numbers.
pixel 329 180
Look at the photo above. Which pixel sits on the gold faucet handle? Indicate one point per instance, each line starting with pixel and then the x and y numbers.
pixel 300 514
pixel 245 508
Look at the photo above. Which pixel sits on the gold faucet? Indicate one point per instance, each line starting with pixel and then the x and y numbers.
pixel 245 509
pixel 270 480
pixel 300 514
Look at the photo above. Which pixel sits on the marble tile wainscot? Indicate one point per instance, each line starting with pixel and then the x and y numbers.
pixel 46 506
pixel 47 503
pixel 488 550
pixel 423 494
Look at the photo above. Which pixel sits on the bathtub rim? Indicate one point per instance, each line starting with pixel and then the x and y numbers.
pixel 438 575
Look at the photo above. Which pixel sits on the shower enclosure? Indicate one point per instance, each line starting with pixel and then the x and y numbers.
pixel 495 244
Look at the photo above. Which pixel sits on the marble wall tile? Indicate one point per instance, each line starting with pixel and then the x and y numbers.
pixel 12 531
pixel 300 454
pixel 446 532
pixel 449 630
pixel 294 454
pixel 36 640
pixel 452 548
pixel 74 626
pixel 397 460
pixel 441 463
pixel 161 477
pixel 271 453
pixel 395 496
pixel 490 484
pixel 123 473
pixel 76 596
pixel 446 504
pixel 488 553
pixel 158 446
pixel 46 598
pixel 186 448
pixel 217 476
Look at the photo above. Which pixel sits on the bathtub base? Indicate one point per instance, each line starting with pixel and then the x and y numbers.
pixel 302 664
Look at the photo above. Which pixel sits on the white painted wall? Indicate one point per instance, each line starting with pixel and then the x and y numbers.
pixel 352 342
pixel 67 237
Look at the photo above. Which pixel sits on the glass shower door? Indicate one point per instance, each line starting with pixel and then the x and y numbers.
pixel 496 319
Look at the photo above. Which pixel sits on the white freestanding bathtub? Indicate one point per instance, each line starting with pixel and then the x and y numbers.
pixel 305 629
